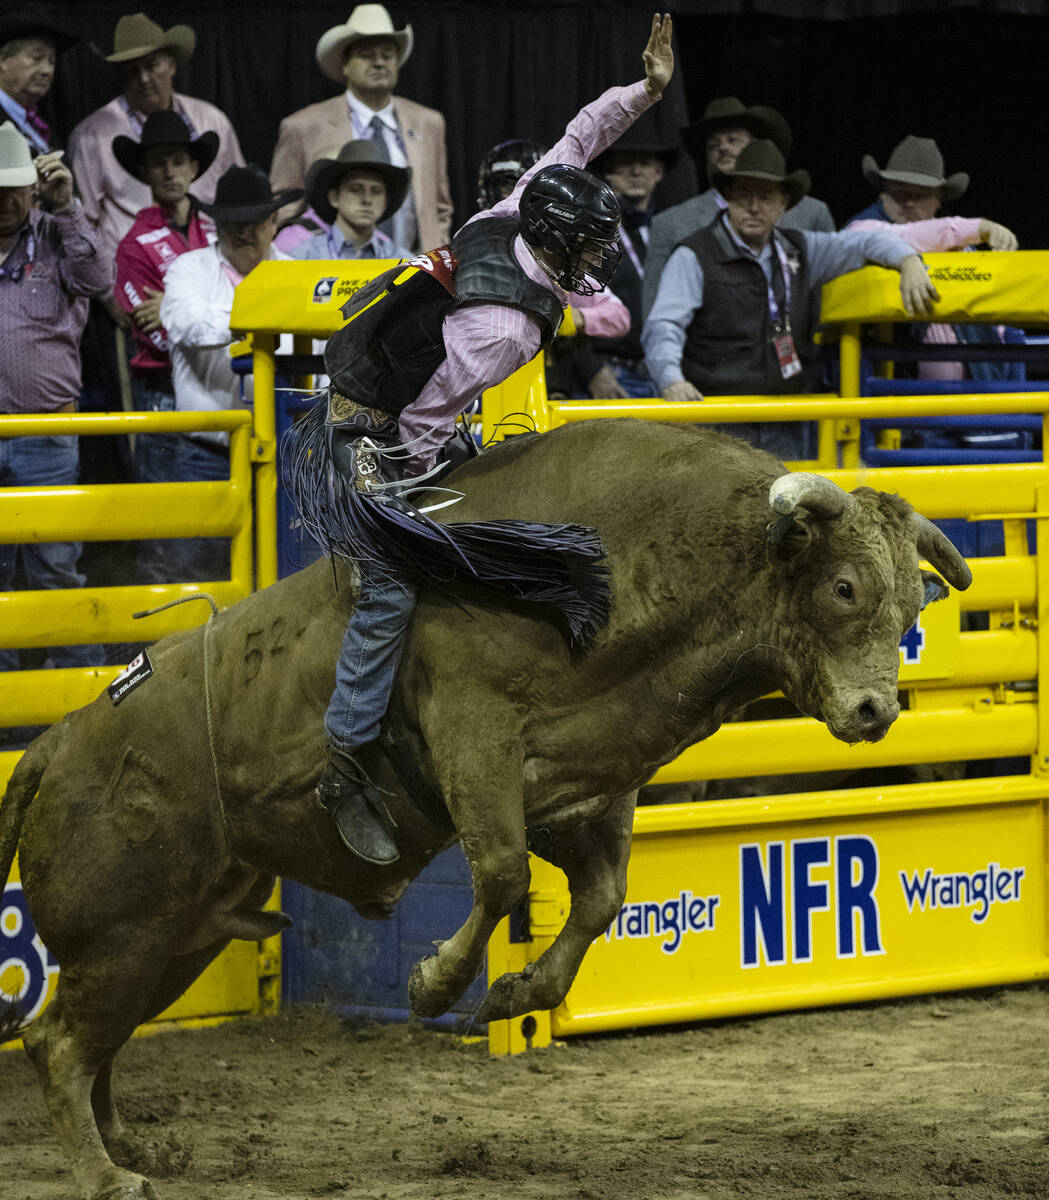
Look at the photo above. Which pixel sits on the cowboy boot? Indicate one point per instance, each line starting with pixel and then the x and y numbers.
pixel 353 802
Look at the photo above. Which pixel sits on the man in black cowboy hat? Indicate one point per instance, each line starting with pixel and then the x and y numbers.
pixel 352 193
pixel 633 167
pixel 146 57
pixel 738 302
pixel 29 47
pixel 168 160
pixel 714 141
pixel 195 311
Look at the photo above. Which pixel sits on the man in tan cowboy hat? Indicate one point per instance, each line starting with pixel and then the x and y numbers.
pixel 714 141
pixel 365 56
pixel 196 311
pixel 738 301
pixel 147 57
pixel 29 47
pixel 352 192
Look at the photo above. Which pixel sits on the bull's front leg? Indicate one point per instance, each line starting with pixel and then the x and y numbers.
pixel 483 786
pixel 594 859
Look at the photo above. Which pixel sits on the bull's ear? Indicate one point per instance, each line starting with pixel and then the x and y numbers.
pixel 935 588
pixel 787 535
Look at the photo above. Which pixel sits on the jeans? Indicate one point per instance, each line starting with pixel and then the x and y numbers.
pixel 154 462
pixel 195 560
pixel 368 661
pixel 636 384
pixel 42 462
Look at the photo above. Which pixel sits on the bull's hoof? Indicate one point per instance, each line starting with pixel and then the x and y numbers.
pixel 140 1189
pixel 422 997
pixel 510 996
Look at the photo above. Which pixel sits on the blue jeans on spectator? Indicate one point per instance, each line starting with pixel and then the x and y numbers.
pixel 371 652
pixel 154 462
pixel 43 462
pixel 197 559
pixel 633 378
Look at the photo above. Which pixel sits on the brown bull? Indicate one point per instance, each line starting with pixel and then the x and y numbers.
pixel 160 823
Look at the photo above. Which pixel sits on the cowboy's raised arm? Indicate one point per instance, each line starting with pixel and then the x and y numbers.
pixel 595 127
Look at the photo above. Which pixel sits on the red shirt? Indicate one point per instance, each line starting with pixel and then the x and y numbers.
pixel 143 257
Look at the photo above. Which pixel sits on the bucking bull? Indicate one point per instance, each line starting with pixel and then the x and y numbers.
pixel 150 833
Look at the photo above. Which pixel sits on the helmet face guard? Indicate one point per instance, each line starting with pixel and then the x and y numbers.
pixel 574 218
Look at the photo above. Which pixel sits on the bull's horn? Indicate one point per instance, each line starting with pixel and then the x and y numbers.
pixel 816 493
pixel 936 547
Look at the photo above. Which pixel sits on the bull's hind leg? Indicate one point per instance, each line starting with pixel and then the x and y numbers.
pixel 93 1013
pixel 487 807
pixel 594 858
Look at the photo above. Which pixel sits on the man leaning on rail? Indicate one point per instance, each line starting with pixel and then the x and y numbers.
pixel 420 343
pixel 739 301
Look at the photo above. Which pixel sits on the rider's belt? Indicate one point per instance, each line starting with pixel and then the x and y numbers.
pixel 342 410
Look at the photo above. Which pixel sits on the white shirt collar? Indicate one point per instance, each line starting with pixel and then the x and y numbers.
pixel 364 113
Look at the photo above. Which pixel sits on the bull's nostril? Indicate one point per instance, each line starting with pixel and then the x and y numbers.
pixel 868 713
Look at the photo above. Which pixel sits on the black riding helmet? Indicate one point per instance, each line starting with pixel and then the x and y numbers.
pixel 503 166
pixel 568 213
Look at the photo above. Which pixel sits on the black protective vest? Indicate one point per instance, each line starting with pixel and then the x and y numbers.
pixel 728 346
pixel 392 341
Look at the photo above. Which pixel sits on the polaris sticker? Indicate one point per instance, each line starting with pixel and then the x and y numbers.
pixel 137 671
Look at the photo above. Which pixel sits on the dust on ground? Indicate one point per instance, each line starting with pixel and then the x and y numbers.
pixel 942 1096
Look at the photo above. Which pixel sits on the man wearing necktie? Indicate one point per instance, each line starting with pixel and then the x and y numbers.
pixel 29 47
pixel 365 55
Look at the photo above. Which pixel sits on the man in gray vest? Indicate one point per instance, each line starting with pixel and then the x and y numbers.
pixel 738 301
pixel 727 126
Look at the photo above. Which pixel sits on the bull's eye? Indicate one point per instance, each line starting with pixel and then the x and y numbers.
pixel 843 589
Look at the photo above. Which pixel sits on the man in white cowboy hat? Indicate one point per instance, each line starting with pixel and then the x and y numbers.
pixel 353 191
pixel 365 56
pixel 196 311
pixel 147 58
pixel 50 263
pixel 29 47
pixel 738 302
pixel 911 191
pixel 714 141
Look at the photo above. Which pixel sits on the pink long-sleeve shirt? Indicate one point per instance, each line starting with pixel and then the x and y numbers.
pixel 936 234
pixel 486 343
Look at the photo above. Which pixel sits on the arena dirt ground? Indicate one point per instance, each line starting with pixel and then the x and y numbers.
pixel 916 1100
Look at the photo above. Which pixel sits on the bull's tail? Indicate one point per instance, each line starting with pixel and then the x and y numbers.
pixel 19 795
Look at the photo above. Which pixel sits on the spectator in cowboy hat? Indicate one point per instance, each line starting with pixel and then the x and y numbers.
pixel 352 192
pixel 738 301
pixel 365 55
pixel 726 127
pixel 196 311
pixel 29 47
pixel 633 167
pixel 169 161
pixel 146 57
pixel 911 191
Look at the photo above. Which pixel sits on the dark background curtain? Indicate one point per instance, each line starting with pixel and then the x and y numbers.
pixel 852 78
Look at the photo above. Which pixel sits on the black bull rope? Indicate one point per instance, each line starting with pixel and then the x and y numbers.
pixel 149 833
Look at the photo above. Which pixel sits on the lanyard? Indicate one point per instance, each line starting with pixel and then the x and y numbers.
pixel 628 245
pixel 362 129
pixel 23 270
pixel 785 270
pixel 136 122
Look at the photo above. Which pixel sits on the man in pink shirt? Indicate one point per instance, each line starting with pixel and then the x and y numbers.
pixel 168 159
pixel 912 188
pixel 421 342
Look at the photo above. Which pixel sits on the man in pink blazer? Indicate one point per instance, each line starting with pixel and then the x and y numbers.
pixel 366 55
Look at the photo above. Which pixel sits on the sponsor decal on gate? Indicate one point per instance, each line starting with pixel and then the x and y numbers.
pixel 26 965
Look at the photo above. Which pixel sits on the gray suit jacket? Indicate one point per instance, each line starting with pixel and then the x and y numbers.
pixel 677 223
pixel 319 129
